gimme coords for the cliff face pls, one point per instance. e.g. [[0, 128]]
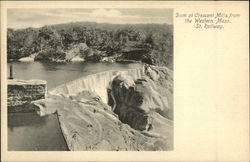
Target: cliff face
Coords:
[[138, 117], [145, 103]]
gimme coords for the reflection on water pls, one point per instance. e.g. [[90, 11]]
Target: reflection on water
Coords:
[[60, 73], [30, 132]]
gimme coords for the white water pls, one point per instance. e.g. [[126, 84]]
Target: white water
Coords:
[[97, 83]]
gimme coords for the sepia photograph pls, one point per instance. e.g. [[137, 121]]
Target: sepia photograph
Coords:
[[90, 79], [137, 81]]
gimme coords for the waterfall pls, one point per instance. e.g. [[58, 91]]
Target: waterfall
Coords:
[[97, 83]]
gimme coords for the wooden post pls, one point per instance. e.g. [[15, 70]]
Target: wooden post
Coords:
[[11, 72]]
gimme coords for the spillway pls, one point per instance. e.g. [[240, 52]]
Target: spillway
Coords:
[[97, 83]]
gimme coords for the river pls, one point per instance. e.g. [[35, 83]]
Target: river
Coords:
[[30, 132], [59, 73]]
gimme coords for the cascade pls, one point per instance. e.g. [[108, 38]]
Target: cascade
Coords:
[[97, 83]]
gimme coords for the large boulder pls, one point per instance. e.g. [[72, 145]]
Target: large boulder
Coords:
[[76, 52], [138, 102]]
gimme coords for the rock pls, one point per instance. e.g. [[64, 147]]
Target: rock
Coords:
[[104, 145], [142, 117], [108, 59], [26, 59], [123, 80], [153, 74], [30, 58], [77, 59], [137, 101], [85, 130], [91, 98], [164, 83], [75, 52]]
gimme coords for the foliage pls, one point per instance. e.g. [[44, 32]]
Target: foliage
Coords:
[[51, 42]]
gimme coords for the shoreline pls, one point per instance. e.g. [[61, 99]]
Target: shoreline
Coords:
[[63, 133]]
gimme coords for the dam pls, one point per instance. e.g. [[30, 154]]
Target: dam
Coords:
[[23, 119], [97, 83]]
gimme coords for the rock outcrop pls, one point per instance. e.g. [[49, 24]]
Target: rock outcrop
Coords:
[[89, 124], [75, 53], [126, 110], [30, 58], [145, 103]]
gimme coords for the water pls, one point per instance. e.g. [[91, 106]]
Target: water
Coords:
[[59, 73], [30, 132], [98, 83]]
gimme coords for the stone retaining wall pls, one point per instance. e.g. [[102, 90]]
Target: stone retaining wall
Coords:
[[21, 92]]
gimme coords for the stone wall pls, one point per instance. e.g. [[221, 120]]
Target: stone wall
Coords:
[[21, 92]]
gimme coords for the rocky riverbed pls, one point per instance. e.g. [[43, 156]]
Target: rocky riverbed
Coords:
[[137, 116]]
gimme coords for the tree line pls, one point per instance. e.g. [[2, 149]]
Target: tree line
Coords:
[[52, 42]]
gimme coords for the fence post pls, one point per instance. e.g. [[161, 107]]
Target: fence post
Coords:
[[11, 72]]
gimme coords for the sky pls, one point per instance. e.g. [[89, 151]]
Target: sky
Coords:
[[22, 18]]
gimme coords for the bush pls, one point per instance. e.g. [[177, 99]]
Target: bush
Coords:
[[51, 55]]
